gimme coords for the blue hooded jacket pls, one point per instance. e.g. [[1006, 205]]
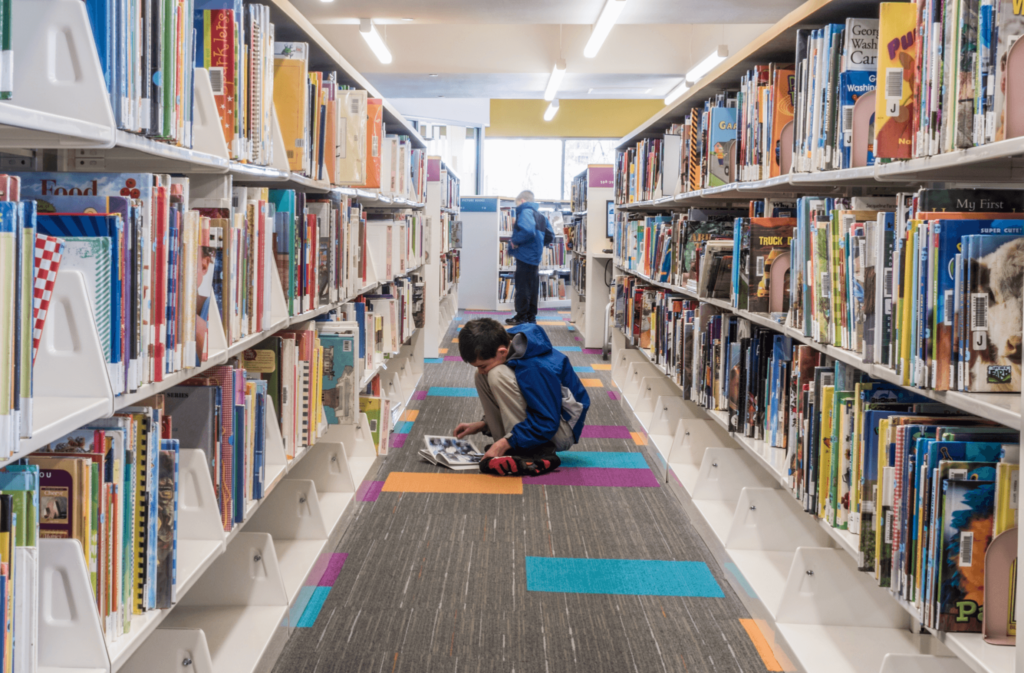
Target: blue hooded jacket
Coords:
[[529, 241], [549, 385]]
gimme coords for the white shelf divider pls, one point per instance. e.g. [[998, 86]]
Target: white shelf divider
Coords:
[[70, 638], [71, 382], [61, 99], [207, 132]]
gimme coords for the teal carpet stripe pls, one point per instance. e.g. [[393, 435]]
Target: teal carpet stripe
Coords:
[[603, 459], [439, 391], [621, 577], [403, 428], [312, 611]]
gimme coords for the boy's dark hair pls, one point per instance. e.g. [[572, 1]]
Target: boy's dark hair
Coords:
[[481, 338]]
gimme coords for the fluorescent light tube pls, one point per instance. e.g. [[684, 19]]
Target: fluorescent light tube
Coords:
[[555, 80], [708, 64], [372, 37], [677, 91], [605, 22], [552, 110]]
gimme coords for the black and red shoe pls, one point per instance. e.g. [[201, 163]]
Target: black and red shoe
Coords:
[[514, 466], [541, 464]]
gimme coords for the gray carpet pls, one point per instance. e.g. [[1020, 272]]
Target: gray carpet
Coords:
[[437, 582]]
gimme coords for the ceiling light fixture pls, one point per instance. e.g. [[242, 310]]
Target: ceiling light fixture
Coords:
[[605, 22], [552, 110], [372, 37], [677, 91], [708, 64], [555, 80]]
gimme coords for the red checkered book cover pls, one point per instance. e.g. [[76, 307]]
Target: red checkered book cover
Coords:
[[47, 262]]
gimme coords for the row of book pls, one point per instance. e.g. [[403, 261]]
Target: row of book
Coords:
[[942, 74], [924, 283], [554, 255], [927, 488], [578, 192], [506, 220], [451, 231], [449, 271], [450, 186], [578, 274], [552, 287], [385, 319], [148, 52]]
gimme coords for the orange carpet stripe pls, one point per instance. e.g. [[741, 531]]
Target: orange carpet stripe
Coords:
[[429, 482], [601, 368], [410, 415], [442, 351], [764, 649], [455, 341], [550, 322], [638, 439], [592, 383]]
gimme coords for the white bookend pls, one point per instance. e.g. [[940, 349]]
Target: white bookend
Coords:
[[26, 609], [207, 131], [652, 390], [275, 461], [295, 521], [277, 143], [278, 304], [61, 98], [391, 386], [69, 625], [767, 528], [200, 533], [71, 382], [327, 466], [724, 473], [621, 360], [172, 651], [632, 385]]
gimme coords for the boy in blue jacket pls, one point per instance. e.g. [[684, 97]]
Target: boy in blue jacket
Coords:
[[534, 403], [528, 236]]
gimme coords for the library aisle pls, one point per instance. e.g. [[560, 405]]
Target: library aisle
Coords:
[[591, 568]]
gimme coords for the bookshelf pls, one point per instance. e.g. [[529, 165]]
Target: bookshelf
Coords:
[[803, 572], [238, 592], [488, 222], [592, 194], [443, 264]]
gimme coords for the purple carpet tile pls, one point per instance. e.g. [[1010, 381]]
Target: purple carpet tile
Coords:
[[420, 395], [334, 565], [596, 476], [369, 491], [606, 432], [398, 441], [488, 312], [592, 351], [452, 358], [578, 339], [612, 395], [313, 578]]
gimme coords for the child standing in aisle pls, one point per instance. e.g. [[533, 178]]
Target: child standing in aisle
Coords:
[[534, 403], [531, 233]]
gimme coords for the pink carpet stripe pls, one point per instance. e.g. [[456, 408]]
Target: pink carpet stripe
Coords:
[[318, 570], [334, 565], [596, 476], [612, 395], [592, 351], [452, 358], [606, 432], [373, 491], [420, 395], [398, 441]]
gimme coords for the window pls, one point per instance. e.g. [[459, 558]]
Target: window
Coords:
[[581, 152], [514, 164], [546, 166], [456, 145]]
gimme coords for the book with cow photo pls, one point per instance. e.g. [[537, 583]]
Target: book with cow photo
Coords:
[[455, 454]]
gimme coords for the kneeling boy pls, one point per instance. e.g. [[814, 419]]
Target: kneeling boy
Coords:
[[534, 404]]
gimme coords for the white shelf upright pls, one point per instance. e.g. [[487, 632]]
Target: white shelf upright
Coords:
[[435, 302], [588, 309]]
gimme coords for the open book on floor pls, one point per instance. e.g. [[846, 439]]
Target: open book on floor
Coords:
[[456, 454]]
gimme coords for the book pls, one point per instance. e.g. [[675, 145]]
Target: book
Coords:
[[455, 454], [895, 107]]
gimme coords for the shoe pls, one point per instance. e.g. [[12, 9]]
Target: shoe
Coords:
[[520, 467], [512, 322]]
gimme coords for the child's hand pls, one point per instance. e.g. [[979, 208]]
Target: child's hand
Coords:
[[499, 448], [464, 429]]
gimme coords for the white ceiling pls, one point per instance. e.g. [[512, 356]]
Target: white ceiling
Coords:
[[504, 49], [548, 11]]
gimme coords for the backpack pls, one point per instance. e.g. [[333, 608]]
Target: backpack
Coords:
[[541, 223]]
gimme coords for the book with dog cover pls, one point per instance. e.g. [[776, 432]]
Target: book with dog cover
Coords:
[[996, 277]]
